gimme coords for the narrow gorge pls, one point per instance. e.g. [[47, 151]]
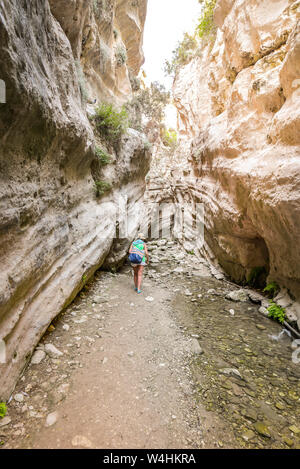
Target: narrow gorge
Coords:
[[76, 157]]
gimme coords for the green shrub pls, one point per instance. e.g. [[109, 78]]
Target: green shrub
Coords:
[[272, 288], [121, 56], [3, 409], [169, 138], [182, 55], [148, 104], [276, 312], [104, 158], [111, 123], [102, 187], [206, 26]]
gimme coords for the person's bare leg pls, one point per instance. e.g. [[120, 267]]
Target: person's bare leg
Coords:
[[135, 274], [140, 276]]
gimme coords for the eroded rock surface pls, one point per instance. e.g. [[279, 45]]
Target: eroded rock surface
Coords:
[[54, 232], [238, 103]]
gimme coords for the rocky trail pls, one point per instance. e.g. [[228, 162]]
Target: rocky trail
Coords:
[[179, 366]]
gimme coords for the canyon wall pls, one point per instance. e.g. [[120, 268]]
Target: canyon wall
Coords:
[[238, 104], [54, 231]]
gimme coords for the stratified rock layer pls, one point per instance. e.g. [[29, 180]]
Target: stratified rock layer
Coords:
[[54, 231], [239, 119]]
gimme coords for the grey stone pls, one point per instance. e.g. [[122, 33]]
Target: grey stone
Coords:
[[38, 357], [19, 397], [52, 351], [196, 347], [238, 295], [5, 421]]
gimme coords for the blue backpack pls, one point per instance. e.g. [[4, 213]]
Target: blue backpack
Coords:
[[135, 258], [137, 255]]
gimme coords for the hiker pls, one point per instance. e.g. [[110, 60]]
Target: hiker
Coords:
[[138, 254]]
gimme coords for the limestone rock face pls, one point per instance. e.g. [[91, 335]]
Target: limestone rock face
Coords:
[[54, 231], [238, 104], [106, 40]]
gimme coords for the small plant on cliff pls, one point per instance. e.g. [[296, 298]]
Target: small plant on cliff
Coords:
[[111, 123], [103, 157], [102, 187], [148, 104], [121, 55], [169, 138], [182, 55], [3, 409], [272, 288], [276, 312], [206, 26]]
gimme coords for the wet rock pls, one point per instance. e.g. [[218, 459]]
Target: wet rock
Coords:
[[250, 414], [262, 429], [288, 441], [38, 357], [294, 429], [231, 372], [248, 435], [260, 326], [52, 351], [237, 295]]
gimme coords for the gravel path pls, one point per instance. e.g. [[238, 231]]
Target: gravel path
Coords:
[[156, 370]]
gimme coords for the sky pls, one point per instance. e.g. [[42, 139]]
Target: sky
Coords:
[[166, 22]]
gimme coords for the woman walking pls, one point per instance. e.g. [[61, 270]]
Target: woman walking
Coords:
[[139, 257]]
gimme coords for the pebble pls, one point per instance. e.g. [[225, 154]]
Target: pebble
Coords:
[[51, 419], [149, 298], [66, 327], [288, 441], [294, 429], [52, 351], [237, 295], [19, 397], [5, 421], [262, 429], [248, 435], [196, 347], [38, 357], [263, 311], [80, 440]]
